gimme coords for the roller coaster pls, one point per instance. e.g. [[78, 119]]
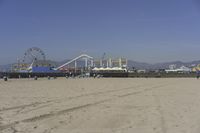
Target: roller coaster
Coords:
[[88, 62]]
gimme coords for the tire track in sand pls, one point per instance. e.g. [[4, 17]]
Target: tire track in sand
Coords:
[[68, 98], [160, 111], [61, 112]]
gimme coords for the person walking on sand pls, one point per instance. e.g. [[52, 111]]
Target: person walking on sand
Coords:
[[198, 74]]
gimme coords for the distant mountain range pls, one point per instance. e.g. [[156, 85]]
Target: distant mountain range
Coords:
[[131, 64], [6, 68], [164, 65]]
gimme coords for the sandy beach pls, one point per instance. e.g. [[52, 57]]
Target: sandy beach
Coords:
[[105, 105]]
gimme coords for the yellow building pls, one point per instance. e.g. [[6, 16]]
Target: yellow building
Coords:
[[197, 68]]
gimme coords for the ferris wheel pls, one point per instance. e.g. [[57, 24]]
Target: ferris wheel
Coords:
[[33, 54]]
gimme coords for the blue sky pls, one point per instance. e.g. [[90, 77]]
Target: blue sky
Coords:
[[142, 30]]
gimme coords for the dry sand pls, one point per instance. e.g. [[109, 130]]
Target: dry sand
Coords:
[[113, 105]]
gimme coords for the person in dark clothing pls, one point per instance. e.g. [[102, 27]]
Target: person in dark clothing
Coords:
[[198, 74]]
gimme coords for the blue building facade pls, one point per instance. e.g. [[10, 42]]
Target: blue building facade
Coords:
[[43, 70]]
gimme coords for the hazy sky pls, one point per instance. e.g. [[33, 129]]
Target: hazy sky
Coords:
[[141, 30]]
